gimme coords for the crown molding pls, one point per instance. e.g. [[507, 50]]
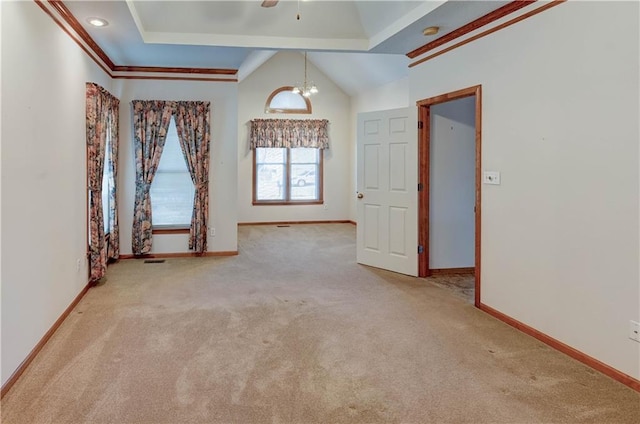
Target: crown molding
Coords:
[[63, 17], [490, 17], [533, 12], [176, 70]]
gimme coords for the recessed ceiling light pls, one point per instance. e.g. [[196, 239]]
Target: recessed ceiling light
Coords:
[[432, 30], [97, 22]]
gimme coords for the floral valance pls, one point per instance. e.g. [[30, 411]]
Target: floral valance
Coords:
[[154, 106], [279, 133]]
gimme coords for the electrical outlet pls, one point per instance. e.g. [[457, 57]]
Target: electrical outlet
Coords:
[[634, 331], [212, 231], [78, 265]]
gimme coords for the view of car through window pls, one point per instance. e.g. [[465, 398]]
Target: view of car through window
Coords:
[[274, 166], [304, 178]]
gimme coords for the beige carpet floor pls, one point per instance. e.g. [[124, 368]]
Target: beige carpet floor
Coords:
[[294, 331]]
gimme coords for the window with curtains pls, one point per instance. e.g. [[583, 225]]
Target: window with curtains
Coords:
[[172, 190], [287, 175], [288, 160], [160, 169], [102, 128]]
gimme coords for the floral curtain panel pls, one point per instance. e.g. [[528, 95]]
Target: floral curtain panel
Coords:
[[101, 112], [192, 123], [312, 133], [151, 120]]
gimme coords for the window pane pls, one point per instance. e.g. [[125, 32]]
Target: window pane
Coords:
[[304, 174], [269, 155], [270, 184], [106, 184], [270, 177], [304, 182], [284, 100], [288, 100], [172, 190], [304, 155]]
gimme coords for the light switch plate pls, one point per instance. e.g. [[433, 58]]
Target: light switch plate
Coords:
[[491, 177]]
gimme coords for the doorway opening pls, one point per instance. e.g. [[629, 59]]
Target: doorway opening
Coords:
[[427, 110]]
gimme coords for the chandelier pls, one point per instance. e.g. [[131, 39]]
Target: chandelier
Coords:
[[306, 88]]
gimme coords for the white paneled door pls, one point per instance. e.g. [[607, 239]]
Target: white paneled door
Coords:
[[387, 190]]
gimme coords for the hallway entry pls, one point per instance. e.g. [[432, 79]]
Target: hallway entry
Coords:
[[449, 152]]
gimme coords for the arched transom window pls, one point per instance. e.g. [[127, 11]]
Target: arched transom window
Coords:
[[283, 100]]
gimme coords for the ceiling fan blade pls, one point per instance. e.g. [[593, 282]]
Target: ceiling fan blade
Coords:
[[269, 3]]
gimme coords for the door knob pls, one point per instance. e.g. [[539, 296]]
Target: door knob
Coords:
[[360, 195]]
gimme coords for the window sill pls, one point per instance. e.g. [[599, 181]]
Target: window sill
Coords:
[[284, 203], [169, 230]]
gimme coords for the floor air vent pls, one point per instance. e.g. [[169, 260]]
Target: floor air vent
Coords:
[[284, 226], [154, 261]]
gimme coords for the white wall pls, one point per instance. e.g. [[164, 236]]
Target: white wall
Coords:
[[2, 379], [223, 169], [43, 176], [286, 68], [560, 121], [452, 158], [393, 95]]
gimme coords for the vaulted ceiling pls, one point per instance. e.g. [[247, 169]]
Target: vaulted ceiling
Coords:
[[356, 43]]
